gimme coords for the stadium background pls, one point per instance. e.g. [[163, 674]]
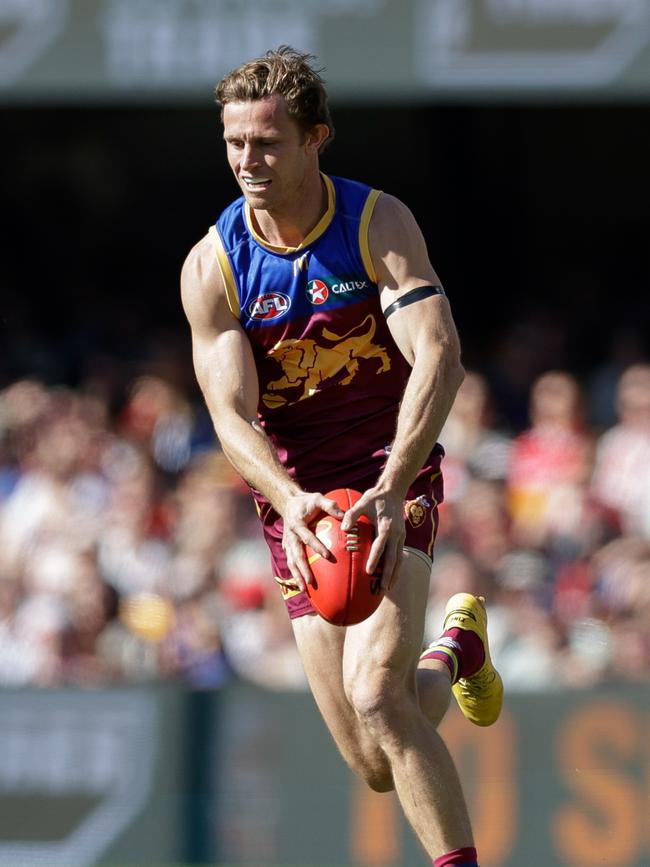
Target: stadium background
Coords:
[[518, 133]]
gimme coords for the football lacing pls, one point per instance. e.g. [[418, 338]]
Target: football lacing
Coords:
[[352, 538]]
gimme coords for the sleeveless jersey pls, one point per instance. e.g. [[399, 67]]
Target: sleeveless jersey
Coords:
[[330, 374]]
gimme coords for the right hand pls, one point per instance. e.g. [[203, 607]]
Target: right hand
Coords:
[[299, 510], [385, 508]]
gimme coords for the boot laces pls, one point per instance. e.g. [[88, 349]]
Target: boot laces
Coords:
[[479, 683]]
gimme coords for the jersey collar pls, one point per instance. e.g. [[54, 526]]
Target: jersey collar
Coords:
[[315, 233]]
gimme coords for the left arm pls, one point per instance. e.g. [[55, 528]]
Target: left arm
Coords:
[[426, 336]]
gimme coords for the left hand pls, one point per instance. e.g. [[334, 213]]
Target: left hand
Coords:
[[297, 512], [386, 511]]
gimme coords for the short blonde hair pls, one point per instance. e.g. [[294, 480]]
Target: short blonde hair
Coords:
[[290, 74]]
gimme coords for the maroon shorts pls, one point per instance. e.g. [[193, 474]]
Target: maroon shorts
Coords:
[[420, 518]]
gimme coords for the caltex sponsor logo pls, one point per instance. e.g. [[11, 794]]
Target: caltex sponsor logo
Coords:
[[272, 305], [348, 286], [317, 291]]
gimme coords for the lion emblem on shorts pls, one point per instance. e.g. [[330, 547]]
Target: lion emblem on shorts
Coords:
[[306, 364], [415, 510]]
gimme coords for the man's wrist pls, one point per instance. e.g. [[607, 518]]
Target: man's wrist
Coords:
[[283, 494], [392, 485]]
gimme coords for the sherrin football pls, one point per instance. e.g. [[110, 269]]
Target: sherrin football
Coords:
[[343, 593]]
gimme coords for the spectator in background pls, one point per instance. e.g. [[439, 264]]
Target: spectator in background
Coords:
[[472, 445], [621, 480], [481, 524], [550, 465], [626, 349], [158, 417], [530, 643], [51, 516], [257, 633], [615, 622], [117, 568], [476, 465]]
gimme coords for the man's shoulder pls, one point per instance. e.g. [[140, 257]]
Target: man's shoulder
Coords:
[[392, 221], [201, 256], [200, 275], [389, 207], [351, 195]]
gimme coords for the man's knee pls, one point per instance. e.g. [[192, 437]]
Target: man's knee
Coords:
[[375, 696]]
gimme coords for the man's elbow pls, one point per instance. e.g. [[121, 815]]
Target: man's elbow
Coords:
[[459, 373], [454, 370]]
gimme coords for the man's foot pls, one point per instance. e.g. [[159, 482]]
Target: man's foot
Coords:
[[480, 696]]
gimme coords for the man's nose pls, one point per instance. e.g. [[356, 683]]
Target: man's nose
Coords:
[[249, 156]]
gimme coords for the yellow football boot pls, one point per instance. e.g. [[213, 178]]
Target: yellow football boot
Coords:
[[480, 697]]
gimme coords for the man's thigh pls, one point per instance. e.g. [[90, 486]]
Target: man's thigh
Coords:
[[391, 639], [337, 660], [321, 647]]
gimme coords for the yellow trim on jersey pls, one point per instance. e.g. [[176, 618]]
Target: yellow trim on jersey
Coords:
[[364, 226], [232, 295], [433, 506], [315, 233], [288, 591]]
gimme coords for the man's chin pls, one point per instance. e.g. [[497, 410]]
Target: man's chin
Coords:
[[257, 198], [257, 201]]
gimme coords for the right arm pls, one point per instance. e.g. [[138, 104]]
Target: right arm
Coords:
[[225, 370]]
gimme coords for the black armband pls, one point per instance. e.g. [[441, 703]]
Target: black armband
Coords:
[[413, 296]]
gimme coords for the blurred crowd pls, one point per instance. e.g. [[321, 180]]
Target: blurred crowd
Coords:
[[130, 550]]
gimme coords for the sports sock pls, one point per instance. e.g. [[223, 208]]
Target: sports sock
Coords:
[[461, 650], [458, 858]]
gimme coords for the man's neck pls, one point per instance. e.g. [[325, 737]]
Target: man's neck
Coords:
[[282, 229]]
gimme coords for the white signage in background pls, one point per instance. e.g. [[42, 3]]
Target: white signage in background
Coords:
[[178, 42], [28, 28], [86, 759], [527, 43], [175, 43]]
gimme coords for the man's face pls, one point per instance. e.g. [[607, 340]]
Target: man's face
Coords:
[[268, 153]]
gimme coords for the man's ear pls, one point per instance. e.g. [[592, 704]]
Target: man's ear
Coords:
[[317, 136]]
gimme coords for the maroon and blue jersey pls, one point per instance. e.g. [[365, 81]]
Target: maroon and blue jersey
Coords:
[[331, 376]]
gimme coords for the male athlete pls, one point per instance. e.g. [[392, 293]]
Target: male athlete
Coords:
[[328, 357]]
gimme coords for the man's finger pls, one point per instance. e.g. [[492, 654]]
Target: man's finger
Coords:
[[331, 507], [376, 552], [352, 516], [311, 539], [301, 569]]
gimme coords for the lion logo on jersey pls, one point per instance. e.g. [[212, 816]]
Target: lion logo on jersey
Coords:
[[307, 364]]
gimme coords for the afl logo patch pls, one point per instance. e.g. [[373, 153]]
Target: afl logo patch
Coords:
[[272, 305], [317, 291]]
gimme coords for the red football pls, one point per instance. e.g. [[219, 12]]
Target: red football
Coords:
[[343, 593]]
